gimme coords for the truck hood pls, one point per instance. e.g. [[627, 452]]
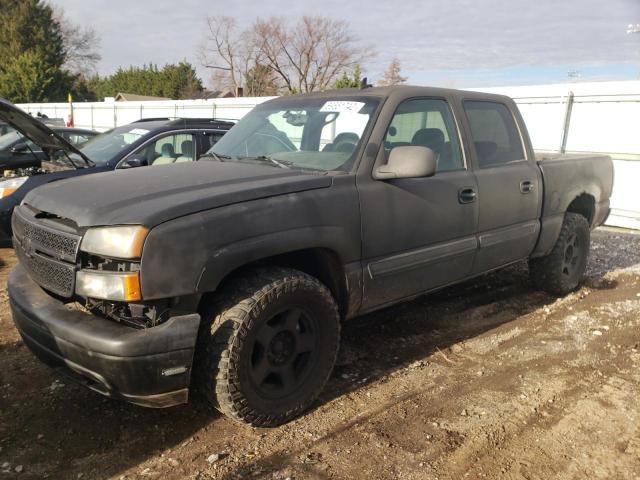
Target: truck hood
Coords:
[[36, 131], [152, 195]]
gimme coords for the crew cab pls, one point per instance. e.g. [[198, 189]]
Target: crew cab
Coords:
[[154, 141], [232, 276]]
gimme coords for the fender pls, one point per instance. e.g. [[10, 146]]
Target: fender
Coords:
[[193, 254]]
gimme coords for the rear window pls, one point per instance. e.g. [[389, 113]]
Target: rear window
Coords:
[[494, 133]]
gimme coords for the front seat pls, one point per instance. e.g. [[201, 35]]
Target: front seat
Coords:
[[187, 152], [167, 155], [344, 142], [434, 139], [429, 137]]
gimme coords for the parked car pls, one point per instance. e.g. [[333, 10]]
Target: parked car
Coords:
[[232, 276], [18, 152], [5, 128], [156, 141]]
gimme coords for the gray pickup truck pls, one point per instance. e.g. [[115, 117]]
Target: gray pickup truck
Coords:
[[232, 276]]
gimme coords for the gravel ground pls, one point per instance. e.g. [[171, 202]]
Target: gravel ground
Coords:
[[488, 379]]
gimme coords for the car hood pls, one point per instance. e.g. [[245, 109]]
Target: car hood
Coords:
[[36, 131], [152, 195]]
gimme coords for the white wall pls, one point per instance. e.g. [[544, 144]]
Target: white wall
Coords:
[[105, 115], [605, 118]]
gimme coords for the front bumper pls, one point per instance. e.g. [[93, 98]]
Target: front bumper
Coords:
[[136, 365]]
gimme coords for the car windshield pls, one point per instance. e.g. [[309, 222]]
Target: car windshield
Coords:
[[306, 133], [8, 139], [106, 146]]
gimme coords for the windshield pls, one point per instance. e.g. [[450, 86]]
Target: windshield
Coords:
[[106, 146], [9, 139], [307, 133]]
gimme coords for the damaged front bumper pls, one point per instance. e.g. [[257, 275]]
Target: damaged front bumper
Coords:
[[149, 367]]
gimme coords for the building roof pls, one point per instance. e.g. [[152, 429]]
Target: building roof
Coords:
[[132, 97]]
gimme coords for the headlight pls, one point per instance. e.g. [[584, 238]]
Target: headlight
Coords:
[[7, 187], [118, 242], [123, 286]]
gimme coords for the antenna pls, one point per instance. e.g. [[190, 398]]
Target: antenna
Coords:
[[364, 84]]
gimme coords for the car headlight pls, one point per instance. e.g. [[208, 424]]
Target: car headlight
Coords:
[[123, 286], [119, 242], [7, 187]]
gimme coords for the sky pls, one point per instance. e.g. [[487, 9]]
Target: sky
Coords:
[[454, 43]]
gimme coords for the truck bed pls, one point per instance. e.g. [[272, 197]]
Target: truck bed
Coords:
[[582, 181]]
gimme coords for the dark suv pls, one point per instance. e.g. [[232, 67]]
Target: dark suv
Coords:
[[157, 141]]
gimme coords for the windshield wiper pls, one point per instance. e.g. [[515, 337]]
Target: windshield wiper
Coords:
[[266, 158], [218, 156]]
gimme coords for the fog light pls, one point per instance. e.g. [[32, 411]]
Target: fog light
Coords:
[[123, 286]]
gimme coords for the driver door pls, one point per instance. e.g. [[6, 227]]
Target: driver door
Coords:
[[419, 233]]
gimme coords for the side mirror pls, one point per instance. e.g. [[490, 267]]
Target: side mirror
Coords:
[[19, 148], [135, 161], [408, 162]]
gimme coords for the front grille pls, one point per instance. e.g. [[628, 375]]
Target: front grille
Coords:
[[49, 255], [57, 277], [58, 244]]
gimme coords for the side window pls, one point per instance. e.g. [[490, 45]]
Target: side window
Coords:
[[176, 148], [77, 139], [494, 133], [210, 139], [429, 123]]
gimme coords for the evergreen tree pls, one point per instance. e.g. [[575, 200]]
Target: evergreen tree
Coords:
[[172, 81], [349, 81], [32, 53]]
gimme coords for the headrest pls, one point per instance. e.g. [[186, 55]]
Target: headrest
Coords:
[[346, 137], [429, 137], [187, 148], [167, 150]]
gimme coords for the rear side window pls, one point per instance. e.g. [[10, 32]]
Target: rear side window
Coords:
[[494, 133]]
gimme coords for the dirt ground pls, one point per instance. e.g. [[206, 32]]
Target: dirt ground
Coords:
[[489, 379]]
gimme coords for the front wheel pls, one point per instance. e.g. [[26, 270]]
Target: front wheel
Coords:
[[268, 346], [560, 272]]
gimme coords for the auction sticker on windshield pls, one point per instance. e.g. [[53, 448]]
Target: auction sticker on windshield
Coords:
[[139, 131], [342, 106]]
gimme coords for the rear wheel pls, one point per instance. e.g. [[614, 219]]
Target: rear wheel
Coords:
[[561, 271], [268, 345]]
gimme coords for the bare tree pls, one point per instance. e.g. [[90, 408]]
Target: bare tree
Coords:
[[81, 44], [307, 56], [229, 52], [392, 76]]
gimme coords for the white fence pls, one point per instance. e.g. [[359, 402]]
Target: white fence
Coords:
[[605, 118]]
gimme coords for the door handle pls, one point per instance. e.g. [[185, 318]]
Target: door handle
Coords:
[[526, 186], [467, 195]]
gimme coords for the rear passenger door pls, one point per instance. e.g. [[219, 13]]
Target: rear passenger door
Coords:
[[509, 186]]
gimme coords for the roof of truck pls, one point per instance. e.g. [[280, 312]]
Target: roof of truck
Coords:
[[400, 90]]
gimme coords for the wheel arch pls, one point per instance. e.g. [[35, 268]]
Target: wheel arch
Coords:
[[323, 263], [585, 205]]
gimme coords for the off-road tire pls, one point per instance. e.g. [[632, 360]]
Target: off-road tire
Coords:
[[555, 273], [229, 338]]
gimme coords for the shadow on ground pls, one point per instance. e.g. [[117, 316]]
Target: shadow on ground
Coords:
[[377, 344]]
